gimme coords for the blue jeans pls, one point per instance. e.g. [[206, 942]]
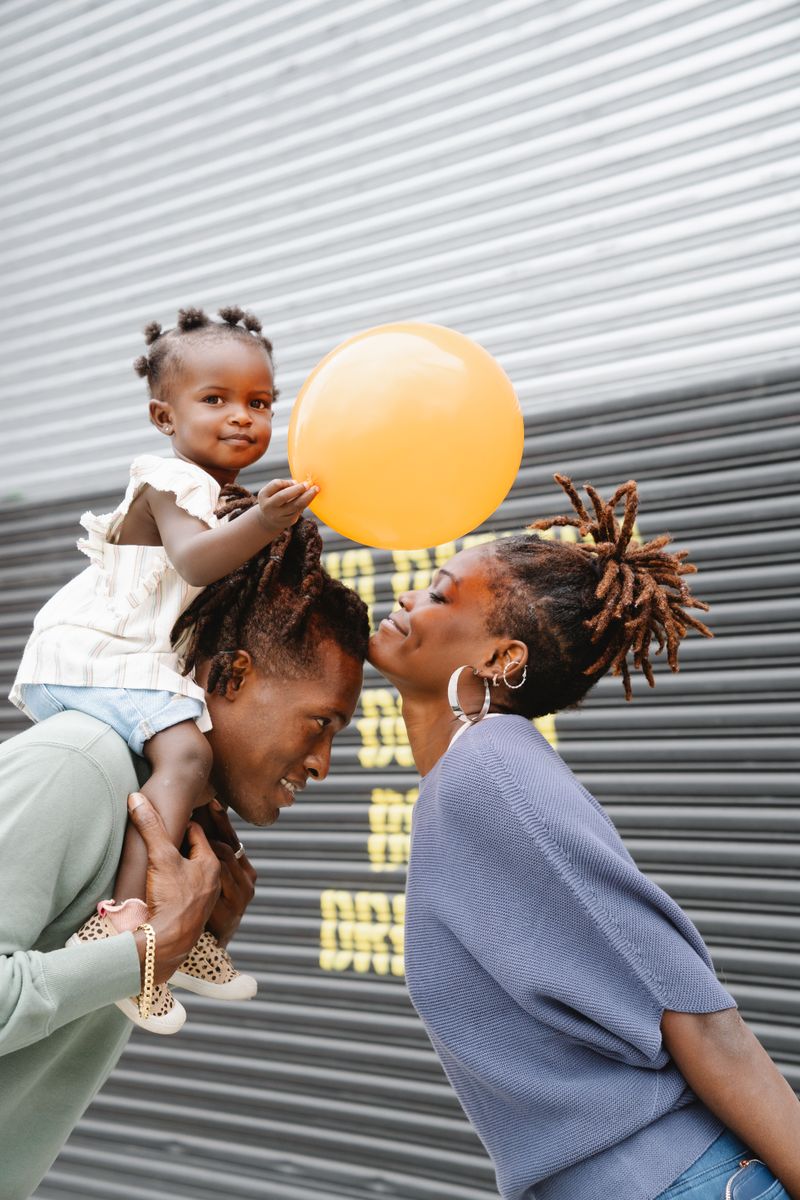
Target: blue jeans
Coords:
[[717, 1175], [136, 714]]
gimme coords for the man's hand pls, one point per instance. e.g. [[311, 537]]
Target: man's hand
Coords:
[[237, 876], [282, 501], [181, 892]]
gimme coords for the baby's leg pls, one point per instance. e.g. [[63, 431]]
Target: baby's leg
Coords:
[[180, 757]]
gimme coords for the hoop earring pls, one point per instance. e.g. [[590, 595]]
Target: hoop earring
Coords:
[[513, 686], [452, 696]]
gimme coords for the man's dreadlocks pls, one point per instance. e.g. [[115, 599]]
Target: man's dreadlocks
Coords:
[[278, 607]]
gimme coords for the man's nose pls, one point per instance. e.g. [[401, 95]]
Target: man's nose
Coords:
[[318, 764]]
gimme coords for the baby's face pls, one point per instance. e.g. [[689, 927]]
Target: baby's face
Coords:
[[220, 405]]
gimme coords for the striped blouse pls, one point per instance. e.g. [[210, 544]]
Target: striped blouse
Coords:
[[110, 626]]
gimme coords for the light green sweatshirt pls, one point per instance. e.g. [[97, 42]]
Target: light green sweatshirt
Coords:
[[63, 789]]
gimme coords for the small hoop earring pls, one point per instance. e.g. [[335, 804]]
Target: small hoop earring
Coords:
[[513, 686], [452, 696]]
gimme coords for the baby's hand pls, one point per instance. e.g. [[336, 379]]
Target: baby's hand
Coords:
[[282, 501]]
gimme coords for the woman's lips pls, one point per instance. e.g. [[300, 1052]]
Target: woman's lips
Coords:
[[391, 624]]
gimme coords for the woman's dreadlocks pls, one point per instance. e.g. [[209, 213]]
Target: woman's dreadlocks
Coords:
[[584, 608], [278, 606]]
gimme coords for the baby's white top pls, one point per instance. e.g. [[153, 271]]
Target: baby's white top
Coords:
[[110, 625]]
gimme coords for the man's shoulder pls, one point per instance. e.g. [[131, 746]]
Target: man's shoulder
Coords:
[[76, 738]]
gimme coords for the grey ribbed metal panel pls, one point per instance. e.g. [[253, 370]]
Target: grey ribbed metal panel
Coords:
[[601, 192], [325, 1086]]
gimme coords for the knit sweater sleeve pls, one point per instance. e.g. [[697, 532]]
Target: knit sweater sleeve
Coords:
[[56, 815], [541, 891]]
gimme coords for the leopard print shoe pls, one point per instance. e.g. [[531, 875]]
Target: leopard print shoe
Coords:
[[209, 971], [167, 1014]]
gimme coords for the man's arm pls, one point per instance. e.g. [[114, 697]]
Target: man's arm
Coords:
[[56, 820], [728, 1069]]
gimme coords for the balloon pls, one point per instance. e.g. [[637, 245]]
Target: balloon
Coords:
[[413, 433]]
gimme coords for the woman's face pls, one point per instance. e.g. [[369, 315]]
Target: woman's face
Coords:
[[442, 627]]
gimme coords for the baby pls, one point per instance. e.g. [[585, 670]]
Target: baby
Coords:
[[102, 644]]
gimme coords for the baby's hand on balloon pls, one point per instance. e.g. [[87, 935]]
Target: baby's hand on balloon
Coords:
[[282, 501]]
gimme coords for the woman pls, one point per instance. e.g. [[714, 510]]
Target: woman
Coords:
[[572, 1003]]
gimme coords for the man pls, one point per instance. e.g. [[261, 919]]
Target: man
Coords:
[[282, 674]]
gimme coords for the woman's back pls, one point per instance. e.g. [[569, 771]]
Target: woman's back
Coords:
[[541, 960]]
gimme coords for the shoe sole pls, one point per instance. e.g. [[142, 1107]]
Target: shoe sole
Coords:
[[243, 988], [170, 1023]]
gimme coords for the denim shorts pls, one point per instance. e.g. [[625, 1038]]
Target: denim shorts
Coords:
[[718, 1175], [135, 713]]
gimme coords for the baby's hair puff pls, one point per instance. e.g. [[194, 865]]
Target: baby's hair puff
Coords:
[[160, 365]]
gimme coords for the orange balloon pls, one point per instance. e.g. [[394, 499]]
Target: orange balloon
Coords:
[[413, 433]]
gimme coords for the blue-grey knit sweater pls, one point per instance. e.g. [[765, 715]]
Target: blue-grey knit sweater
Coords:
[[541, 960]]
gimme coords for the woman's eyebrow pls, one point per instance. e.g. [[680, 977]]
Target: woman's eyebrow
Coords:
[[449, 574]]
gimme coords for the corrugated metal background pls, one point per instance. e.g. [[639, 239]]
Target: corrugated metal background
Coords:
[[325, 1085], [599, 192], [602, 193]]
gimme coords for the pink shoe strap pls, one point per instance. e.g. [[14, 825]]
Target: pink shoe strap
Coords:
[[128, 915]]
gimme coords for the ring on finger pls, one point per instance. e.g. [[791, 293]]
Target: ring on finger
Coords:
[[239, 851]]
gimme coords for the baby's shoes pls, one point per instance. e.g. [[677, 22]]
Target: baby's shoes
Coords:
[[167, 1014], [209, 971]]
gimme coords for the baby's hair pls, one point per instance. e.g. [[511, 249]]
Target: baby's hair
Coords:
[[162, 362], [278, 606], [584, 608]]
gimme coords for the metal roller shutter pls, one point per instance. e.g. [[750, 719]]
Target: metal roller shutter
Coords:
[[325, 1085], [601, 192]]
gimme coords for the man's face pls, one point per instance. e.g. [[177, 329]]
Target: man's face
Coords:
[[273, 734]]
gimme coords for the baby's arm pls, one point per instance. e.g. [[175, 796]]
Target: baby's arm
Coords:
[[201, 555]]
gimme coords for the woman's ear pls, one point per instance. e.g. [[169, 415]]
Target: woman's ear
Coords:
[[241, 666], [509, 657]]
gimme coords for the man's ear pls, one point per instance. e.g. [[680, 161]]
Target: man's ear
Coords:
[[161, 416], [241, 667]]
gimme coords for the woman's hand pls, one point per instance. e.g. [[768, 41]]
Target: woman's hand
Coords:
[[181, 892], [237, 876]]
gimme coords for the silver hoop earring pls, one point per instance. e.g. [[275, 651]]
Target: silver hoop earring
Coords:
[[452, 696], [513, 686]]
